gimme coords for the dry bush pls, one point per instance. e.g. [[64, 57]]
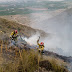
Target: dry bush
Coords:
[[26, 62], [52, 66], [58, 68], [30, 61]]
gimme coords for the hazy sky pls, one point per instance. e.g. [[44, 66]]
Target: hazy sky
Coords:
[[6, 0], [29, 0], [56, 0]]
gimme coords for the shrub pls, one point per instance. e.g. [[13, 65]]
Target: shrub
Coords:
[[27, 62]]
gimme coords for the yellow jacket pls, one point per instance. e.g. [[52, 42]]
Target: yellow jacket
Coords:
[[13, 34], [41, 47]]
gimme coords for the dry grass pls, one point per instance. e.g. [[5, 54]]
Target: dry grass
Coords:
[[27, 62], [57, 60], [55, 64], [1, 59], [30, 61], [6, 27]]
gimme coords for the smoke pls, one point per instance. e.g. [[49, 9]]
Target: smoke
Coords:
[[60, 29], [54, 43], [51, 42], [32, 40], [70, 67]]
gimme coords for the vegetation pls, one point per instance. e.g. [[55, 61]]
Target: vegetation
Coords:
[[23, 60], [6, 27], [29, 61]]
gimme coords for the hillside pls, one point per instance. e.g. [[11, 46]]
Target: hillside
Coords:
[[13, 58], [8, 26], [60, 26]]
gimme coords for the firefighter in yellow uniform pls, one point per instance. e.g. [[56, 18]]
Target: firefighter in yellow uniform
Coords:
[[41, 46], [14, 35]]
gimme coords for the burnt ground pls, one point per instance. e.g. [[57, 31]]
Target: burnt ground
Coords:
[[11, 51], [64, 58]]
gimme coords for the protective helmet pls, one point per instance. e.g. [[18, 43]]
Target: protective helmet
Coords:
[[15, 31], [41, 43]]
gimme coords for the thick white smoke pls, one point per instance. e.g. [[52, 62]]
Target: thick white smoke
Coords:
[[60, 40], [51, 42], [32, 40]]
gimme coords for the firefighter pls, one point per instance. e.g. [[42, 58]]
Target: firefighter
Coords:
[[41, 46], [14, 35]]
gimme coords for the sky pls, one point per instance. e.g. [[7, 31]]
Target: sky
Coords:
[[56, 0], [29, 0], [6, 0]]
